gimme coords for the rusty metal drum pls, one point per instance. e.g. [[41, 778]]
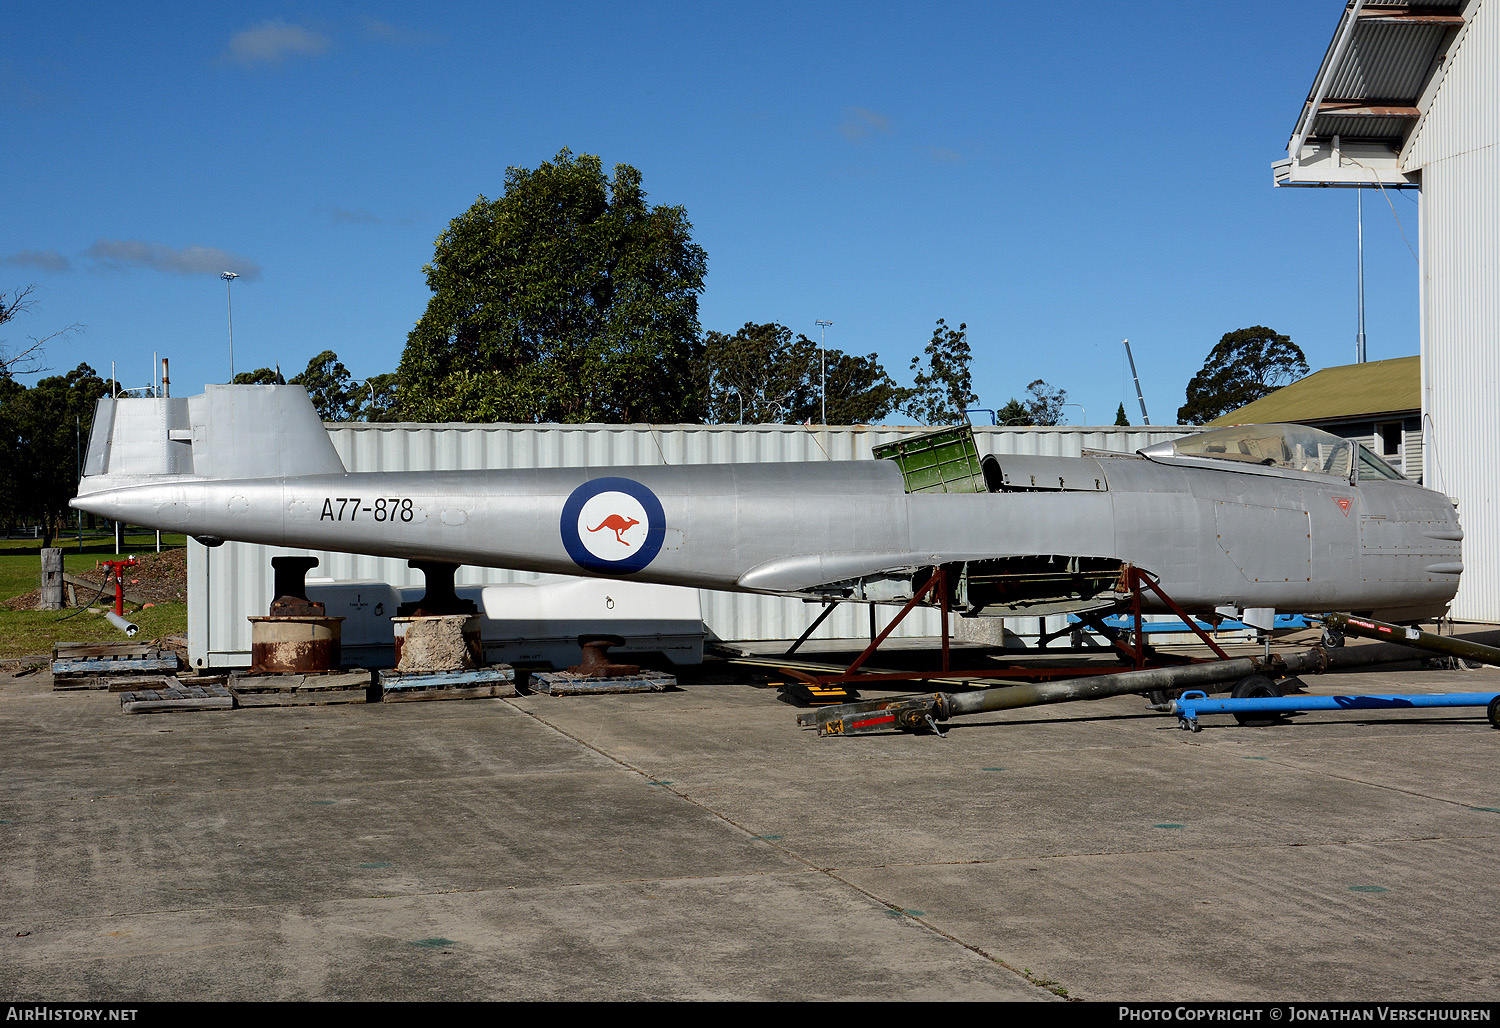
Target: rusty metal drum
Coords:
[[295, 643]]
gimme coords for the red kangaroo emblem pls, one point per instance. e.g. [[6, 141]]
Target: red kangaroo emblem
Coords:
[[616, 524]]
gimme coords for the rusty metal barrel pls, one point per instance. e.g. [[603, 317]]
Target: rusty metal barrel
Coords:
[[302, 643]]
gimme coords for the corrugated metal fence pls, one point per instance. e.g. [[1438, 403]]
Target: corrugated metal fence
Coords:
[[228, 583]]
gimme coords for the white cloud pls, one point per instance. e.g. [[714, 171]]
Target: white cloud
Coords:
[[272, 41], [859, 122], [122, 254], [47, 260], [396, 35], [352, 216]]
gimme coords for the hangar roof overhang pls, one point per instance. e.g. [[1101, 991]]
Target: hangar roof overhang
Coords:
[[1372, 90]]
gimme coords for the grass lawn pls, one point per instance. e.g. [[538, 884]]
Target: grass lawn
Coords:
[[21, 559], [26, 632]]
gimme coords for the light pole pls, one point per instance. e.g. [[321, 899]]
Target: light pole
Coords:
[[229, 277], [823, 363], [1080, 407], [1359, 213]]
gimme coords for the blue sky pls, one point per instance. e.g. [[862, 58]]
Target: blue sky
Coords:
[[1057, 176]]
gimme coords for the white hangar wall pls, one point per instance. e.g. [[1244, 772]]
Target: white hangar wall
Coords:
[[1456, 146], [228, 583]]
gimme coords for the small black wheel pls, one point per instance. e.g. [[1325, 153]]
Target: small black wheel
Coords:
[[1493, 712], [1332, 640], [1256, 687]]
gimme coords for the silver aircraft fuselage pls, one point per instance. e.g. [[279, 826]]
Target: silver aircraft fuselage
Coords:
[[1214, 532]]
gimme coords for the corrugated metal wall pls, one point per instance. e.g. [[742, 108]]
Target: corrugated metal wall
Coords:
[[228, 583], [1457, 148]]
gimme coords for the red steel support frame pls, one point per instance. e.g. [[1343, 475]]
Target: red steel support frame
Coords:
[[1135, 578], [939, 579], [1132, 580]]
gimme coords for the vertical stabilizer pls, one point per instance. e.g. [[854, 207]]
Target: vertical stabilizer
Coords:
[[228, 432], [259, 432]]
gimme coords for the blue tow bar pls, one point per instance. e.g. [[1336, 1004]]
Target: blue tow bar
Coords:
[[1190, 705]]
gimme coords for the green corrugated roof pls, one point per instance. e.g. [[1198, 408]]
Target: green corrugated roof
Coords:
[[1351, 391]]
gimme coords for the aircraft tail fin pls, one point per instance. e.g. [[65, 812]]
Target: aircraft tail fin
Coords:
[[229, 432]]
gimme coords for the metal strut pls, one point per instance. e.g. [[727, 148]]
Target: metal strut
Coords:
[[1135, 578], [828, 609], [1141, 656], [938, 579]]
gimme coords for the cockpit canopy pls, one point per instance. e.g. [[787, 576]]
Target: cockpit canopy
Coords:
[[1292, 447]]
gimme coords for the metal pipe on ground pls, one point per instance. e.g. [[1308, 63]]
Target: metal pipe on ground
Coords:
[[921, 713], [1190, 706], [1464, 647], [128, 627]]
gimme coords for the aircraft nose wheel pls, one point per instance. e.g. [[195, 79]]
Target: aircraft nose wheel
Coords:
[[1493, 712], [1253, 688]]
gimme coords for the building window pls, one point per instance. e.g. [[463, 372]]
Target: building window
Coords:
[[1388, 437]]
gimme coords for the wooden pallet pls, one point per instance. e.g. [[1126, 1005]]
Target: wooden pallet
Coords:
[[88, 665], [176, 697], [142, 683], [64, 650], [71, 683], [477, 683], [560, 683], [299, 690]]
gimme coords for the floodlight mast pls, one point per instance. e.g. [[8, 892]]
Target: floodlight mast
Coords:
[[228, 277], [1359, 340], [823, 362]]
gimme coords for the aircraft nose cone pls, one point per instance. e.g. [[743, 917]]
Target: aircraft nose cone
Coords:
[[142, 505], [94, 503]]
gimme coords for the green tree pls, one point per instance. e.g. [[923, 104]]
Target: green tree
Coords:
[[1015, 414], [376, 398], [569, 298], [752, 376], [762, 374], [260, 376], [1120, 418], [943, 388], [13, 454], [41, 427], [1245, 365], [329, 386], [1045, 403], [859, 389]]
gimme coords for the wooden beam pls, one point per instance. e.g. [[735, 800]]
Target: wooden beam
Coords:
[[1408, 14], [1369, 109]]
